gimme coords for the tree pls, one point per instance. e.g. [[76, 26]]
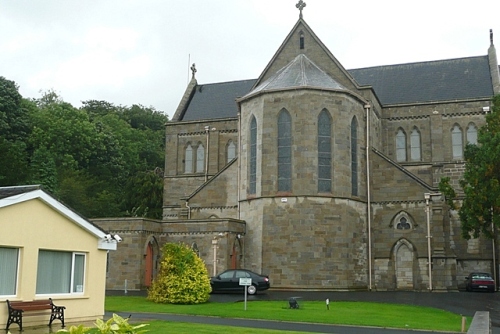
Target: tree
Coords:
[[14, 129], [182, 278], [479, 211]]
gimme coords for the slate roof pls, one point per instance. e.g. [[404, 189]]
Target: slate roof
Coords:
[[216, 100], [442, 80], [300, 72], [432, 81]]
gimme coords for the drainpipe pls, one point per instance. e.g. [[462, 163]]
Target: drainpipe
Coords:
[[494, 251], [214, 243], [239, 163], [207, 129], [368, 194], [427, 197]]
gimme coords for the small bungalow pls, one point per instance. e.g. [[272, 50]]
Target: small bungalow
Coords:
[[48, 251]]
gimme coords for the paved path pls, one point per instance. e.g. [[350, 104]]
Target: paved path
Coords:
[[464, 303]]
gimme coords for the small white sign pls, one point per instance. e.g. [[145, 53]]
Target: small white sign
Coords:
[[245, 281]]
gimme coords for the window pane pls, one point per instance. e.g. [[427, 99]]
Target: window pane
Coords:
[[188, 160], [284, 151], [324, 152], [200, 159], [354, 157], [231, 151], [456, 140], [415, 145], [54, 272], [78, 271], [8, 271], [400, 146], [472, 134], [253, 157]]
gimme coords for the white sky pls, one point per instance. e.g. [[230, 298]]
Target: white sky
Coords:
[[139, 51]]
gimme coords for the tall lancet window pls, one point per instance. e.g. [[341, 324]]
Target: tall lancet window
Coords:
[[284, 151], [231, 151], [415, 150], [400, 146], [472, 134], [324, 152], [200, 158], [301, 40], [354, 157], [252, 159], [188, 159], [456, 142]]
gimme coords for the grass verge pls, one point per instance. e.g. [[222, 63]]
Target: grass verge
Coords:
[[345, 313]]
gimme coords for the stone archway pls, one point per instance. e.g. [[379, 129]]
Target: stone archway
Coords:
[[150, 260], [404, 260]]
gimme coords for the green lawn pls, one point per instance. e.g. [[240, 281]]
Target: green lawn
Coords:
[[347, 313]]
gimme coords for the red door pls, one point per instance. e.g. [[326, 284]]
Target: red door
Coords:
[[148, 274]]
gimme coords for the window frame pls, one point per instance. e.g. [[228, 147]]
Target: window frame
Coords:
[[400, 145], [72, 288], [325, 157], [354, 157], [284, 145], [415, 145], [457, 143], [16, 272]]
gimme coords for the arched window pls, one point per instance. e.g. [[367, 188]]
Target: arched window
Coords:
[[400, 146], [188, 159], [354, 157], [402, 221], [252, 161], [231, 151], [324, 152], [200, 158], [472, 134], [284, 151], [456, 142], [415, 151]]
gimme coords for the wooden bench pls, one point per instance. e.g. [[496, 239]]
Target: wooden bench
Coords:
[[36, 307]]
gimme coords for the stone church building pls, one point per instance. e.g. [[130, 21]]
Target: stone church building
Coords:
[[319, 176]]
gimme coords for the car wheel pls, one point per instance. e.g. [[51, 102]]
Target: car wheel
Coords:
[[251, 289]]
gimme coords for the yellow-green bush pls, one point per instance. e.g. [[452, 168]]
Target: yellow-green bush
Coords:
[[182, 278]]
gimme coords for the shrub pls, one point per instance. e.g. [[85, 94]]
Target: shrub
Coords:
[[182, 278], [115, 325]]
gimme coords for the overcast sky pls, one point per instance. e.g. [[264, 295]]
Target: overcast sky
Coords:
[[139, 51]]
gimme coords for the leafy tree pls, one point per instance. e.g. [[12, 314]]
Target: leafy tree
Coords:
[[145, 194], [479, 211], [182, 278], [14, 129]]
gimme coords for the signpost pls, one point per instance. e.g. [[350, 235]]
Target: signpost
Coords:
[[245, 282]]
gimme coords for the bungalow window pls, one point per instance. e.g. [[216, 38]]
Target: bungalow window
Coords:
[[60, 272], [9, 260]]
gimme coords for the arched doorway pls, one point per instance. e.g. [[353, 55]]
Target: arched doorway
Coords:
[[404, 260], [236, 253], [150, 261]]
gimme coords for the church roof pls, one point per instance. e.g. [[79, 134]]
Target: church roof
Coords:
[[216, 100], [432, 81], [300, 72]]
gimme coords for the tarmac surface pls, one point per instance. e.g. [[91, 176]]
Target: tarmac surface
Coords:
[[464, 303]]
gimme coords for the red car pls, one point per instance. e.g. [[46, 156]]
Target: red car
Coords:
[[480, 281]]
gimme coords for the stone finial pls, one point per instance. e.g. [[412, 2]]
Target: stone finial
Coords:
[[193, 69], [300, 5], [491, 36]]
